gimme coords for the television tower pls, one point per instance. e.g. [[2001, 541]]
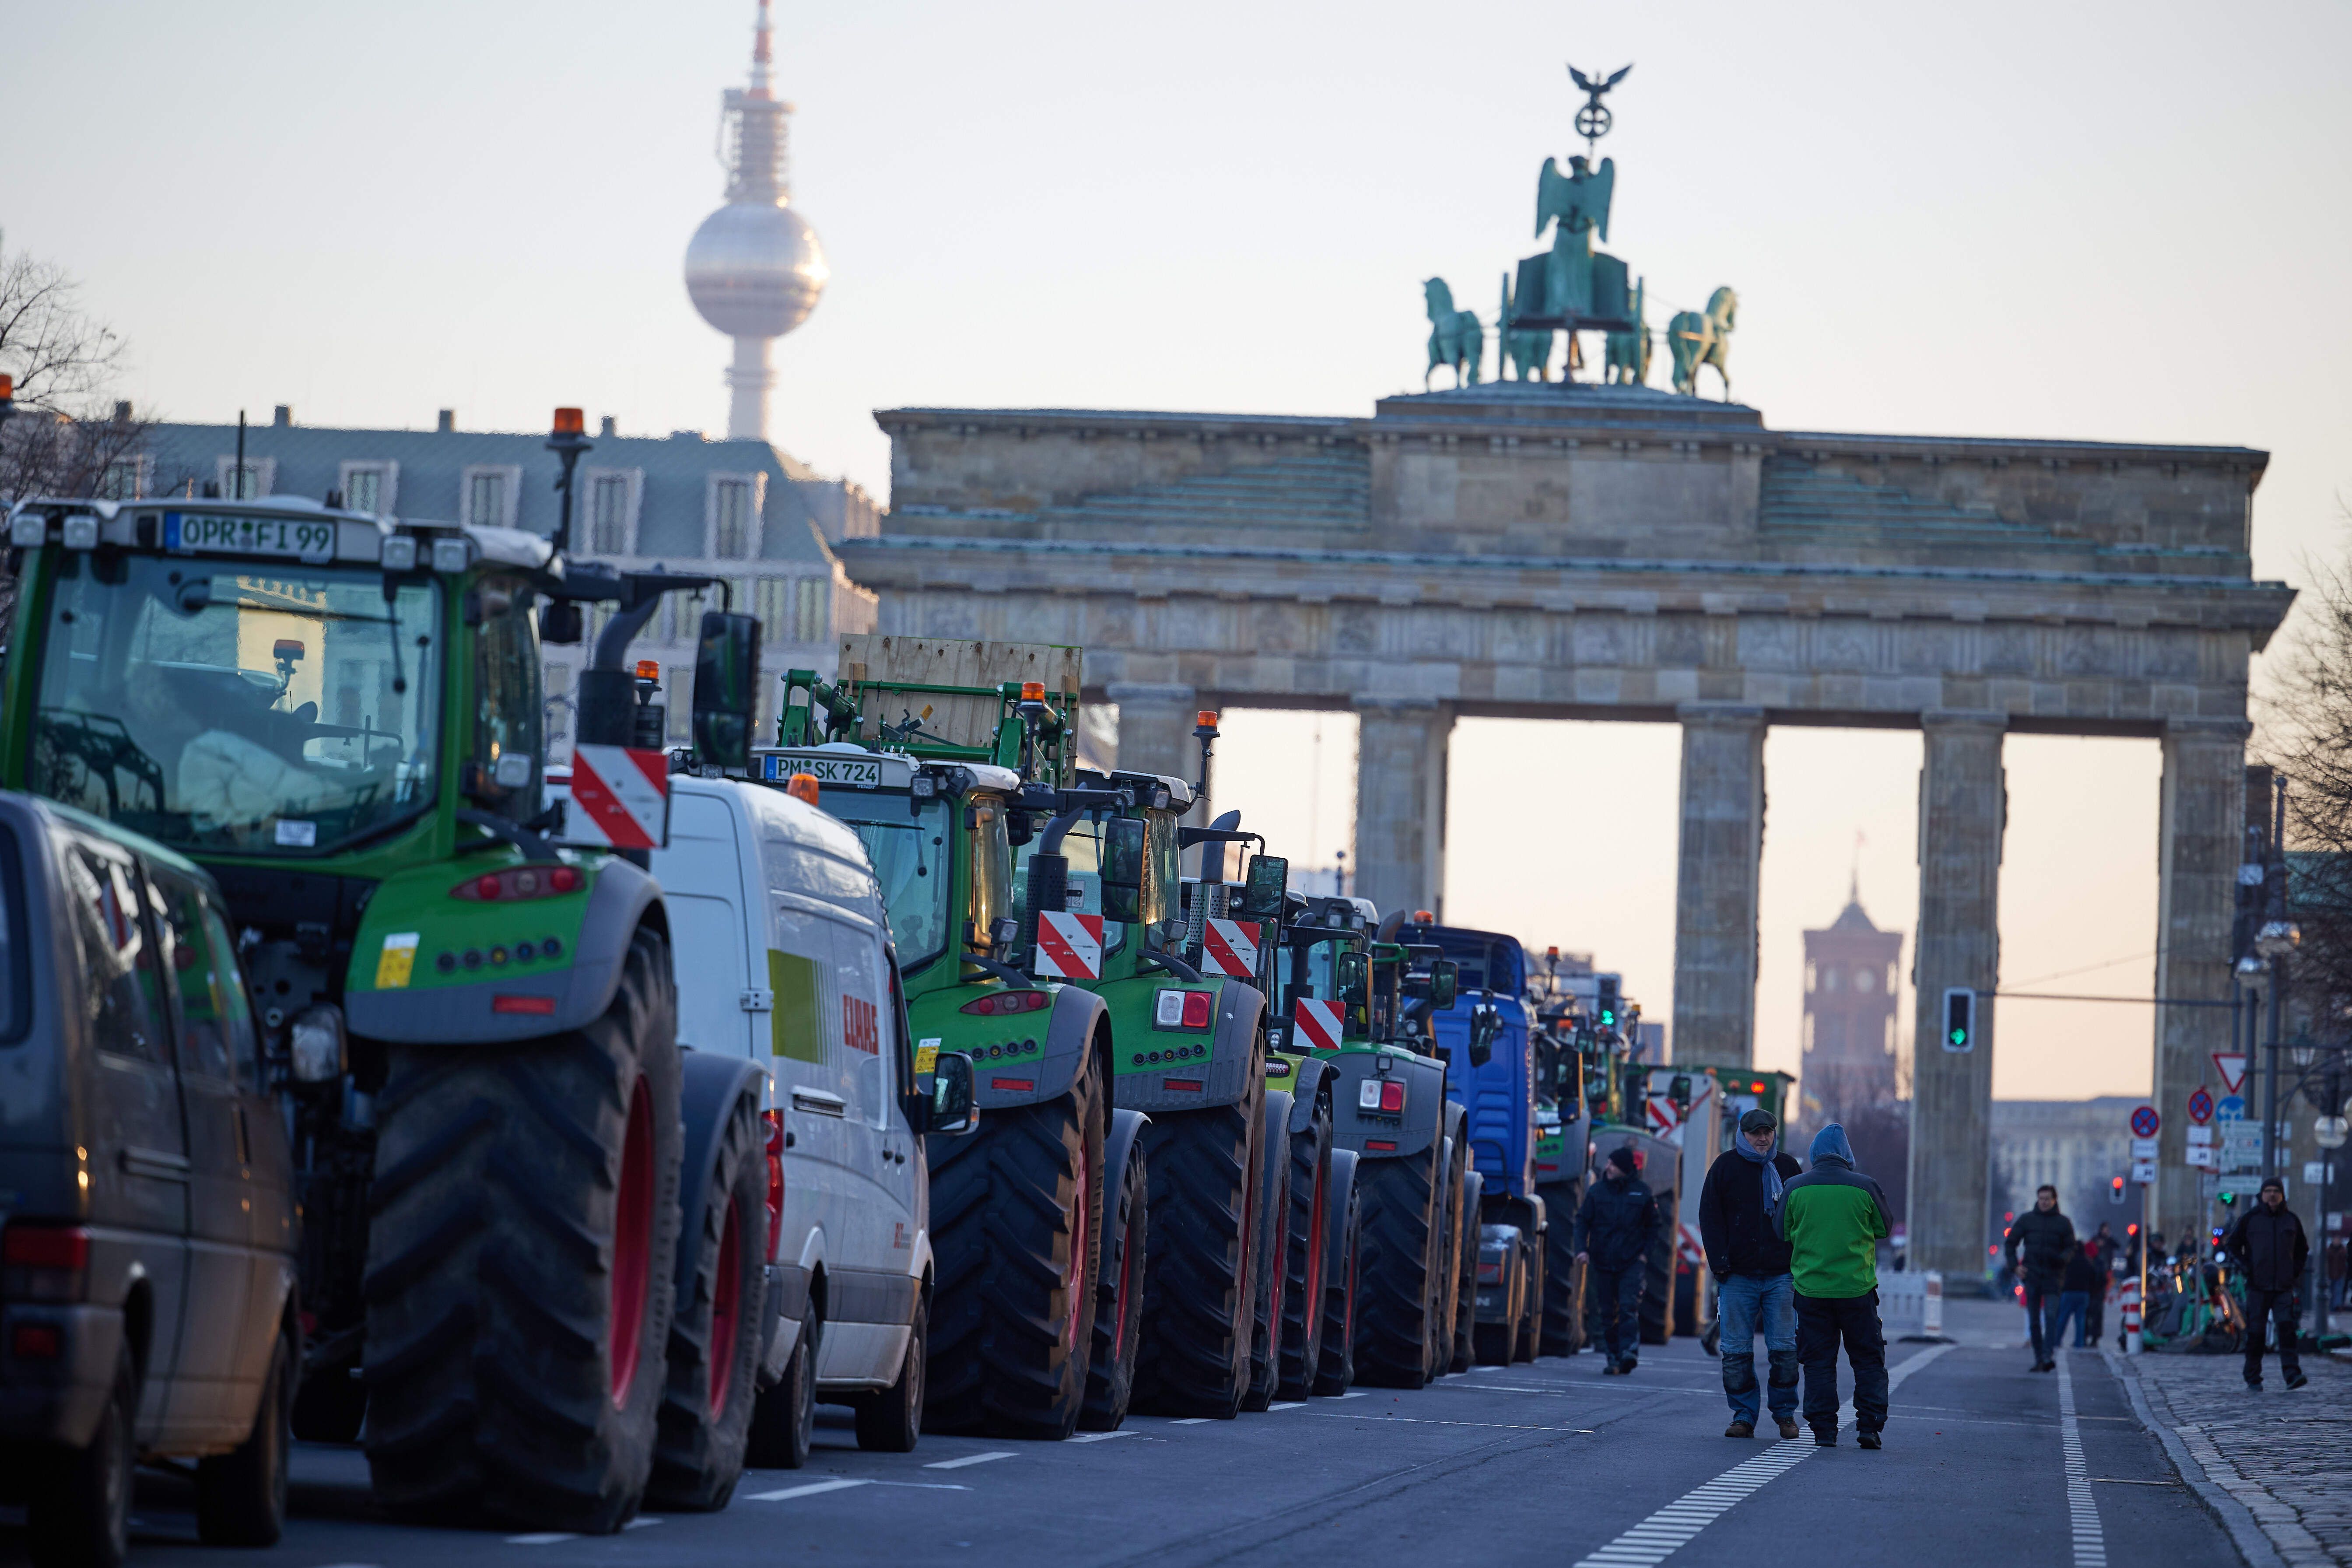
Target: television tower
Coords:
[[755, 269]]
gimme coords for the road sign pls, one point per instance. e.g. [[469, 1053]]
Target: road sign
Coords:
[[2316, 1173], [2231, 1109], [2198, 1135], [2143, 1149], [2143, 1172], [2245, 1186], [2242, 1145], [2201, 1105], [2204, 1157], [2145, 1121], [1069, 946], [2329, 1131], [2231, 1065]]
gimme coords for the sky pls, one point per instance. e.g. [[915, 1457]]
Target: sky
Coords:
[[2101, 221]]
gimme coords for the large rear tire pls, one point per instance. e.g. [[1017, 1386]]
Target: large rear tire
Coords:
[[520, 1266], [1401, 1288], [1465, 1267], [1118, 1298], [1303, 1307], [1336, 1368], [714, 1337], [1272, 1265], [1563, 1297], [1016, 1218], [1658, 1278], [1531, 1309], [1200, 1287]]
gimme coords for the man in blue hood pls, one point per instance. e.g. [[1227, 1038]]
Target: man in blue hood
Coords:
[[1833, 1218]]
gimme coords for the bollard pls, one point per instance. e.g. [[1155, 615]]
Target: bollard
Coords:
[[1933, 1309], [2131, 1314]]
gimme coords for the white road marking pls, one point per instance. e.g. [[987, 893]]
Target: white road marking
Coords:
[[2090, 1541], [349, 1566], [1288, 1405], [811, 1490], [1191, 1421], [644, 1520], [1355, 1394], [545, 1538], [1433, 1421], [926, 1485], [1096, 1437], [1672, 1527], [958, 1464]]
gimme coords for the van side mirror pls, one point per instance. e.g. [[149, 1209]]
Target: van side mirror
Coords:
[[726, 688], [955, 1106], [1445, 984], [1264, 885], [1122, 869]]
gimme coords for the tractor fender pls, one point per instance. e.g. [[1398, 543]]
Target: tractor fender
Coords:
[[710, 1088], [1422, 1123], [1076, 1018], [1126, 1127], [1306, 1082], [623, 899], [1225, 1078]]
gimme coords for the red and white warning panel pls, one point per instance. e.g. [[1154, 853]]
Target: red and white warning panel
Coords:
[[1318, 1024], [1230, 948], [620, 799], [1069, 946]]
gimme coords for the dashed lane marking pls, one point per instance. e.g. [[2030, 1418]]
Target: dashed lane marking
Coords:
[[809, 1488], [1191, 1421], [960, 1462], [1096, 1437], [1357, 1394], [1433, 1421], [1288, 1405], [928, 1486], [1672, 1527], [644, 1521], [544, 1538], [2090, 1541], [1563, 1390]]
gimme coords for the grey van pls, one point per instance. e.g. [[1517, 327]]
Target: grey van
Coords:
[[147, 1217]]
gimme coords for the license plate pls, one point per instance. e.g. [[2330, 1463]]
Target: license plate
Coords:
[[843, 772], [204, 533]]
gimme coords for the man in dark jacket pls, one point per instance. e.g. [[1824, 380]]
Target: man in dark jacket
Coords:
[[1833, 1217], [2047, 1239], [1750, 1265], [2271, 1249], [1613, 1229]]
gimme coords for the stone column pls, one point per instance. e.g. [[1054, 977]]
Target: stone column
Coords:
[[1400, 804], [1720, 850], [2199, 845], [1155, 730], [1963, 808]]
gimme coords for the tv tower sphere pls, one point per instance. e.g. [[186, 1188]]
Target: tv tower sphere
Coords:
[[755, 269]]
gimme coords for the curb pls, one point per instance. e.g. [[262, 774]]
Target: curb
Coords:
[[2254, 1538]]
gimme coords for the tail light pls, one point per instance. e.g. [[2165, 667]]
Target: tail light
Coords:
[[1183, 1010], [1385, 1095], [523, 882], [775, 1120], [44, 1262], [1490, 1274], [1001, 1002]]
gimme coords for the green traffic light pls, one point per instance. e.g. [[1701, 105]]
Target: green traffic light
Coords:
[[1959, 1037], [2229, 1200]]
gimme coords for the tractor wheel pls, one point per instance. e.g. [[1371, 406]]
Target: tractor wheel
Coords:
[[1302, 1299], [1200, 1285], [1563, 1296], [1335, 1368], [1402, 1286], [1658, 1278], [521, 1263], [1465, 1269], [714, 1336], [1271, 1266], [1531, 1303], [1118, 1298], [1016, 1217]]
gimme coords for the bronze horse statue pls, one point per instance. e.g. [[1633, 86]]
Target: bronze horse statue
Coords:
[[1455, 338], [1698, 340], [1629, 353]]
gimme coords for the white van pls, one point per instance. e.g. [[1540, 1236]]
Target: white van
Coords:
[[782, 953]]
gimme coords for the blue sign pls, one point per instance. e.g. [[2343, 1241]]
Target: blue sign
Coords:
[[2231, 1109], [2145, 1121]]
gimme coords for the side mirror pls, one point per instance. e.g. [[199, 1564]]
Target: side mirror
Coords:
[[1122, 869], [1485, 1024], [1263, 886], [955, 1106], [1354, 977], [560, 623], [1445, 984], [726, 688]]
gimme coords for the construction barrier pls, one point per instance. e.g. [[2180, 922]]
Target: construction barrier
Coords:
[[2128, 1297], [1911, 1305]]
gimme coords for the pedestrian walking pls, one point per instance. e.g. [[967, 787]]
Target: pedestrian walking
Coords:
[[1833, 1218], [1749, 1260], [2046, 1239], [2270, 1249], [1614, 1227], [2103, 1250], [2080, 1285]]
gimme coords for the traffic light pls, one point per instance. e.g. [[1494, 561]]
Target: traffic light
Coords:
[[1959, 1018], [1606, 1002], [2229, 1200], [2115, 1190], [2131, 1229]]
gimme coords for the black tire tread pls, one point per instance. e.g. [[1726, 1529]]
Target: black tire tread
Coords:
[[697, 1457], [1401, 1230], [1302, 1318], [1110, 1366], [1197, 1296]]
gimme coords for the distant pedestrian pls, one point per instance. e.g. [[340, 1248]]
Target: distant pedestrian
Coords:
[[2269, 1245], [2336, 1273], [1749, 1260], [1833, 1217], [1614, 1227], [2079, 1285], [2046, 1237], [2103, 1259]]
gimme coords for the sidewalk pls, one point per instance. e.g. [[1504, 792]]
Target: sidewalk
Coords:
[[2286, 1457]]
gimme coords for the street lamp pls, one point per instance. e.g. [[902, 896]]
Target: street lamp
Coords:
[[2303, 1053], [2253, 974], [2278, 938]]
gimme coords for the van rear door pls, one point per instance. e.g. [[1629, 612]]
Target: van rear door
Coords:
[[701, 876]]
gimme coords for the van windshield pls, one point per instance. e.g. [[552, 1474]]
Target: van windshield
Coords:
[[250, 708], [911, 861]]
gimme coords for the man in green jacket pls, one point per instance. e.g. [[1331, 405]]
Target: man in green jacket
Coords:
[[1833, 1217]]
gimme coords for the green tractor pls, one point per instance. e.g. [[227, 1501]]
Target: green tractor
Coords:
[[981, 747], [470, 1014], [1359, 1003]]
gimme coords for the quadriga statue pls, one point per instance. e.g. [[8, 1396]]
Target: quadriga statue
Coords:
[[1696, 340], [1455, 338]]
